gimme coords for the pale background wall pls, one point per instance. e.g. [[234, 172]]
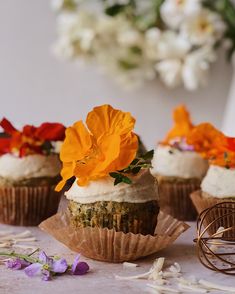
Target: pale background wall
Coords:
[[35, 86]]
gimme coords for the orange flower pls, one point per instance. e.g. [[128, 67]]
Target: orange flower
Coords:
[[225, 155], [207, 140], [182, 126], [106, 145]]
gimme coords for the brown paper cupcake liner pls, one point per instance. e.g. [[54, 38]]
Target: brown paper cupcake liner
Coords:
[[27, 206], [220, 215], [109, 245], [175, 198]]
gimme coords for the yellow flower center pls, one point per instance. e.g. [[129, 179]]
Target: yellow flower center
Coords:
[[205, 26], [46, 267], [180, 2]]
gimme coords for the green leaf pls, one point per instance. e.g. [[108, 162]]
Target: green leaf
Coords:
[[148, 155], [47, 147], [117, 181], [127, 65], [135, 170], [135, 161], [136, 50], [115, 9], [114, 175], [126, 180]]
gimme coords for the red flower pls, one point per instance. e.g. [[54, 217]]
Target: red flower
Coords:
[[31, 139]]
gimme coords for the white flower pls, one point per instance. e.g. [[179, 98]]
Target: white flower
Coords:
[[196, 67], [152, 37], [172, 45], [173, 12], [129, 38], [170, 72], [64, 49], [76, 33], [205, 28]]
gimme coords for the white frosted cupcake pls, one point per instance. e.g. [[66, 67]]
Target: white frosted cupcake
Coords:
[[178, 168], [29, 170], [127, 208], [218, 186], [114, 188]]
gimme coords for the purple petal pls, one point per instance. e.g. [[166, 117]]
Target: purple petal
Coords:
[[13, 263], [46, 275], [16, 263], [59, 266], [75, 263], [81, 268], [42, 257], [32, 269], [45, 259]]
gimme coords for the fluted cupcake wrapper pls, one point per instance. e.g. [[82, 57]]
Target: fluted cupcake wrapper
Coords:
[[175, 198], [109, 245], [27, 206], [219, 214]]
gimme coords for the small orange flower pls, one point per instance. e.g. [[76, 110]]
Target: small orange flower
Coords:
[[106, 145], [182, 126], [207, 140]]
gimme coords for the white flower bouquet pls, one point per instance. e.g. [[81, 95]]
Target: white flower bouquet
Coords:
[[136, 40]]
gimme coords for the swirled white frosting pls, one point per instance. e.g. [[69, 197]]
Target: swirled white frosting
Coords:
[[219, 182], [142, 189], [27, 167], [169, 161]]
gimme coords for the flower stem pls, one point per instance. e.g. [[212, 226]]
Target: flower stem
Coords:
[[21, 256]]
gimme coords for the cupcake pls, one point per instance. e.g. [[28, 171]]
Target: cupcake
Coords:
[[178, 168], [219, 183], [29, 170], [113, 188]]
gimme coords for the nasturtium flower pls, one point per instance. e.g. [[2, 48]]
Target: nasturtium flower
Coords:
[[213, 145], [106, 144], [182, 125], [207, 140], [31, 139]]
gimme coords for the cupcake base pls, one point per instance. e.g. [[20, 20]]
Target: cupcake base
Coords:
[[109, 245], [175, 199], [27, 206], [126, 217], [223, 215]]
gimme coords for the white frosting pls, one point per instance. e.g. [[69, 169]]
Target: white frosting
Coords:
[[27, 167], [56, 146], [169, 161], [142, 189], [219, 182]]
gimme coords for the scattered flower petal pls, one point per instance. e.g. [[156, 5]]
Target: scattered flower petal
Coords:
[[79, 267], [33, 269]]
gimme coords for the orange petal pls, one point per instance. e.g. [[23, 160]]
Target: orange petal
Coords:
[[128, 150], [96, 166], [107, 120], [182, 124], [66, 174], [206, 140], [77, 143], [60, 186]]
